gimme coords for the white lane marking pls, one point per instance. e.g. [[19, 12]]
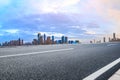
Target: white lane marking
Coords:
[[32, 53], [96, 74], [111, 44]]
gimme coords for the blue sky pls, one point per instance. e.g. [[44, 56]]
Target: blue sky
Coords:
[[78, 19]]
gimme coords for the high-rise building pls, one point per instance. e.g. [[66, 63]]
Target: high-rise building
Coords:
[[44, 39], [41, 39], [104, 40], [109, 39], [114, 36], [52, 39], [77, 41], [22, 42], [91, 41], [63, 39], [19, 42], [66, 40], [34, 42], [48, 41], [39, 35]]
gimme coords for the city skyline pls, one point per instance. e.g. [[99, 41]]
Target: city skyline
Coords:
[[77, 19], [40, 40]]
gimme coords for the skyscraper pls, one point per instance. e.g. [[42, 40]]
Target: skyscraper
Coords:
[[41, 39], [52, 39], [44, 41], [66, 40], [34, 42], [109, 39], [39, 34], [114, 37], [104, 39], [48, 41], [19, 41], [63, 39]]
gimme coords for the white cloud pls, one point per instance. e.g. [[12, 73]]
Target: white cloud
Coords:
[[4, 3], [50, 6], [109, 10], [76, 27], [12, 31], [90, 32], [1, 34], [52, 28]]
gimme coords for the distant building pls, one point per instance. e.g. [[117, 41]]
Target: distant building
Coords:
[[41, 39], [44, 39], [63, 39], [77, 41], [104, 39], [18, 42], [35, 42], [53, 39], [39, 35], [91, 41], [114, 36], [109, 39], [48, 41], [66, 40], [70, 41]]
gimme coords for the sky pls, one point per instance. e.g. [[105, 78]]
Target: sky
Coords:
[[78, 19]]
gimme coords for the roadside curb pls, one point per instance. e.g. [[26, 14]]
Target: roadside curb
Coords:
[[115, 76]]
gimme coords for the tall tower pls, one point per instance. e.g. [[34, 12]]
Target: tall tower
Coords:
[[48, 41], [44, 41], [39, 35], [41, 39], [19, 42], [104, 40], [66, 39], [109, 39], [63, 39], [52, 39], [114, 37]]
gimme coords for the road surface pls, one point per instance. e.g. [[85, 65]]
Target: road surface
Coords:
[[55, 62]]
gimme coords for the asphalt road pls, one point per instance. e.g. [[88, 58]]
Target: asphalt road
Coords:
[[55, 62]]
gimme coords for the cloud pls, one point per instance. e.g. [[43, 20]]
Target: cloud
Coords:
[[11, 31], [4, 3], [51, 24], [75, 18], [109, 10], [90, 32], [1, 34], [48, 6]]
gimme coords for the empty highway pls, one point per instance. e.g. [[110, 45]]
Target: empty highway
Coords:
[[56, 62]]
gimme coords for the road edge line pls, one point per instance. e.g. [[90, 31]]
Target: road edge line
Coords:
[[99, 72]]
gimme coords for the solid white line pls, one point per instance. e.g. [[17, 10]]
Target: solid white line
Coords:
[[96, 74], [111, 44], [25, 54]]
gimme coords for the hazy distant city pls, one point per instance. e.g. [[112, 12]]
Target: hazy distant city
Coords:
[[49, 40], [41, 40]]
